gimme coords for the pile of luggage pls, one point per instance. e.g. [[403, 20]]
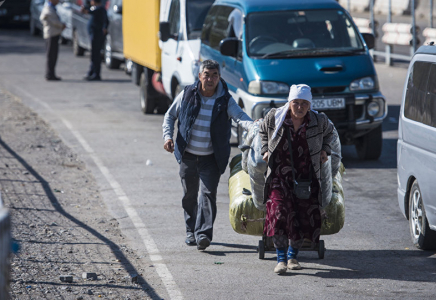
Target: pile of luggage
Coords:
[[246, 183]]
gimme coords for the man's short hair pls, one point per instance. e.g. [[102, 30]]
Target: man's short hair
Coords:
[[210, 64]]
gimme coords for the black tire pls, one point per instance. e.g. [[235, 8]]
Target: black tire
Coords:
[[369, 146], [422, 236], [261, 249], [33, 29], [109, 60], [137, 71], [148, 103], [77, 50], [321, 249]]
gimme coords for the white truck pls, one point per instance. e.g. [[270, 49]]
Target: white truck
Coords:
[[162, 39]]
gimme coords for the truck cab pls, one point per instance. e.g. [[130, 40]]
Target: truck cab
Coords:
[[165, 52], [266, 46]]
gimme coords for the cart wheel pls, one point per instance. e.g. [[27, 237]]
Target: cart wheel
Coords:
[[261, 249], [321, 249]]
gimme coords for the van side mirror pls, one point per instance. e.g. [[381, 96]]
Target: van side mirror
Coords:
[[230, 47], [164, 30], [118, 9], [369, 40]]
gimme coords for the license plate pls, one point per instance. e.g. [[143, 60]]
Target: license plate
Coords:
[[328, 103]]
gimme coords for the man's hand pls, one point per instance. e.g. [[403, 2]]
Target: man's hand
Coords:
[[169, 146], [323, 156], [64, 26], [265, 157], [83, 10]]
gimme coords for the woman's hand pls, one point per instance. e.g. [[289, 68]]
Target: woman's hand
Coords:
[[323, 156], [265, 157]]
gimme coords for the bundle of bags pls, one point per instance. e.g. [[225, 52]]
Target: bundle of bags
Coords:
[[247, 180]]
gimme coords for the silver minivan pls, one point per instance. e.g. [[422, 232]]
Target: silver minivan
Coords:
[[416, 149]]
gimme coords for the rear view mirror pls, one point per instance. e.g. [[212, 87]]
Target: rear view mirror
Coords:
[[164, 30], [369, 40], [230, 47]]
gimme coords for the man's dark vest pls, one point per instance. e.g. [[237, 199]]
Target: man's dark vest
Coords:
[[220, 125]]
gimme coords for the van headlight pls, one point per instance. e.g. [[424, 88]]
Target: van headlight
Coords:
[[365, 83], [268, 88], [373, 108]]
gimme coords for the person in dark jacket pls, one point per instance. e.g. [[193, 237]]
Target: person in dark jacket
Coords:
[[204, 111], [97, 29]]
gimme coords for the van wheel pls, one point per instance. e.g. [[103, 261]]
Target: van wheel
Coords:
[[110, 61], [369, 146], [147, 102], [77, 50], [137, 70], [422, 236]]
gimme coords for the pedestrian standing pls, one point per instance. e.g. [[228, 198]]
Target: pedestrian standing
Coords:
[[97, 30], [204, 111], [295, 142], [53, 27]]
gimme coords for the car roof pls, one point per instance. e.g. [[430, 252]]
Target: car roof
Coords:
[[426, 50], [249, 6]]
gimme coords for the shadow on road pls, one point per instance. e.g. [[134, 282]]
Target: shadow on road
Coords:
[[116, 250]]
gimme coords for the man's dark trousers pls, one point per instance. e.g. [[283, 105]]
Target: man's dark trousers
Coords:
[[202, 172], [97, 42], [52, 50]]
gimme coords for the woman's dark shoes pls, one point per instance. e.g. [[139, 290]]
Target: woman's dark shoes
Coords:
[[203, 243], [190, 239], [92, 78], [54, 78]]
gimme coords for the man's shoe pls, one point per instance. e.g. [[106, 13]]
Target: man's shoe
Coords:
[[280, 268], [190, 240], [293, 264], [92, 78], [203, 243], [54, 78]]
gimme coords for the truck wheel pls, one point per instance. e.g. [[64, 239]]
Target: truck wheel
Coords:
[[110, 61], [147, 102], [369, 146], [422, 236], [77, 50], [137, 70]]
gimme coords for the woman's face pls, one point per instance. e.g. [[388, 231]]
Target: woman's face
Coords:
[[299, 108]]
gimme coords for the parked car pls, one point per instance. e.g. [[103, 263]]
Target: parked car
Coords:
[[113, 54], [266, 46], [64, 12], [64, 9], [35, 24], [416, 148], [81, 39], [14, 10]]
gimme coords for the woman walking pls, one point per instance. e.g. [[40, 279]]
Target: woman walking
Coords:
[[295, 142]]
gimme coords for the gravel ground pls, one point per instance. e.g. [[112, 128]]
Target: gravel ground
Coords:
[[59, 219]]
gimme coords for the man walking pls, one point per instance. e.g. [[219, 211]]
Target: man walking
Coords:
[[204, 111], [52, 27], [97, 29]]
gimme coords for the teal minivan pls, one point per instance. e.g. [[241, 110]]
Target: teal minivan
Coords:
[[264, 47]]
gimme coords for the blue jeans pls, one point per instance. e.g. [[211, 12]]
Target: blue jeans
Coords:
[[199, 173]]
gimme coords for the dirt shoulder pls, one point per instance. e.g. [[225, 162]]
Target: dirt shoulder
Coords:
[[59, 219]]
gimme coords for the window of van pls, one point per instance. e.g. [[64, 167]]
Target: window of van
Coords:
[[174, 18], [420, 99], [196, 11], [301, 33], [216, 26]]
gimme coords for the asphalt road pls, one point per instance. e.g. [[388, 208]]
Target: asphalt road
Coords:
[[371, 257]]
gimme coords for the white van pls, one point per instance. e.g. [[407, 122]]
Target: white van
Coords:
[[416, 149]]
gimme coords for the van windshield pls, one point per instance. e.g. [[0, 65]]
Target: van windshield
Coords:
[[196, 11], [308, 33]]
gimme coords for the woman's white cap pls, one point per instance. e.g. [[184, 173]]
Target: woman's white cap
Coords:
[[300, 91]]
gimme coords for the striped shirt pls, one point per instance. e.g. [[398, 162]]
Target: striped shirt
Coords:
[[200, 142]]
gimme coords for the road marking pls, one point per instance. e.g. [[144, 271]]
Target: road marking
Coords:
[[151, 247]]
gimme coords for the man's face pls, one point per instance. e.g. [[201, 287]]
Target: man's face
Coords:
[[209, 79]]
